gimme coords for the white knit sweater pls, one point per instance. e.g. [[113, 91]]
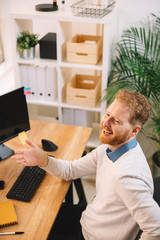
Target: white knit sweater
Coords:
[[123, 198]]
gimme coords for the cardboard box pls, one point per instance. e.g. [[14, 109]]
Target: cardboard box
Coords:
[[85, 49], [84, 90]]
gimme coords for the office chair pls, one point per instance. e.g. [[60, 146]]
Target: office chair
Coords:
[[156, 197], [67, 224]]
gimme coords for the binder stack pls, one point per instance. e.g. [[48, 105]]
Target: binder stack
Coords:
[[41, 80], [32, 81], [51, 84], [24, 77], [41, 86]]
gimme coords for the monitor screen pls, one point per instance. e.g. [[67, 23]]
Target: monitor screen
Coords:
[[13, 117]]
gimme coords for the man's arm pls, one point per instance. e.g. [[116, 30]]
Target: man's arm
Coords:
[[72, 169], [67, 170]]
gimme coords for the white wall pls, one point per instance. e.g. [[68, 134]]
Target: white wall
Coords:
[[131, 12]]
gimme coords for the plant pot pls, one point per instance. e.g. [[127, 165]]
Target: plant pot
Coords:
[[28, 54], [156, 164]]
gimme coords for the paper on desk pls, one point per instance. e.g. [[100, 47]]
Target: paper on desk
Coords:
[[23, 137]]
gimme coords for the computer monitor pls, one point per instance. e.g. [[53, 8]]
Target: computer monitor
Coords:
[[13, 118]]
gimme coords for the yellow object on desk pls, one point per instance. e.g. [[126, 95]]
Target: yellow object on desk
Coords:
[[7, 214], [23, 137]]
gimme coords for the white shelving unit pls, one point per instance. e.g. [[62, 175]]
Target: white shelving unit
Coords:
[[66, 25]]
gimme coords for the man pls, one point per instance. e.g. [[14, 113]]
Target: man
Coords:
[[124, 185]]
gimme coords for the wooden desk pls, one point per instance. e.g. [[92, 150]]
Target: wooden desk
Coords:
[[37, 217]]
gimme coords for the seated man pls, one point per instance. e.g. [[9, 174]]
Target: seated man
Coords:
[[124, 186]]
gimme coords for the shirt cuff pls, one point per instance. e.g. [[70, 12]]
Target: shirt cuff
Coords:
[[50, 167]]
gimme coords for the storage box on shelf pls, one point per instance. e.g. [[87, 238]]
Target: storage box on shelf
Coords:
[[84, 90], [86, 49], [93, 8], [48, 46]]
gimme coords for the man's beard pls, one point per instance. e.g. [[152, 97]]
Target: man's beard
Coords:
[[112, 139]]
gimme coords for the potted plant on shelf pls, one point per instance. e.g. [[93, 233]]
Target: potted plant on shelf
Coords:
[[26, 43], [137, 67]]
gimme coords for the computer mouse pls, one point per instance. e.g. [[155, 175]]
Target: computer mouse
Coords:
[[48, 145]]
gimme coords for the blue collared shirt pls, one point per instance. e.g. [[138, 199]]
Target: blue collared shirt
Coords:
[[114, 155]]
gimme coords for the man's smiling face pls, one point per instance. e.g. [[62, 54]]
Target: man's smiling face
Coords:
[[116, 128]]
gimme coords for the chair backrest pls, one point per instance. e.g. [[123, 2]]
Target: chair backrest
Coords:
[[156, 197], [138, 235]]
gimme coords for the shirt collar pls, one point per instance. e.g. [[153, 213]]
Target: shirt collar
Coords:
[[114, 155]]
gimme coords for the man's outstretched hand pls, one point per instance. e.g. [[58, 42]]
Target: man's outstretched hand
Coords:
[[32, 156]]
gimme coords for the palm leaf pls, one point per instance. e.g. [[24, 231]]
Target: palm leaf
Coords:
[[137, 67]]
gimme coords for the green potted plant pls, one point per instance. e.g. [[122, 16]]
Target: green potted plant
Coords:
[[137, 67], [26, 43]]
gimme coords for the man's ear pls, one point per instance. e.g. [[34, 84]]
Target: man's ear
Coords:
[[135, 130]]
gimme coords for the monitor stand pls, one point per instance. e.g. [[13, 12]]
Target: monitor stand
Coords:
[[5, 152]]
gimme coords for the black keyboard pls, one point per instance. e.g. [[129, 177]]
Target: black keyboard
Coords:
[[26, 184]]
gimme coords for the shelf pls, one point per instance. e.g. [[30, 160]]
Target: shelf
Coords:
[[95, 109], [38, 61], [65, 25], [43, 103], [53, 63], [60, 15], [97, 67]]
